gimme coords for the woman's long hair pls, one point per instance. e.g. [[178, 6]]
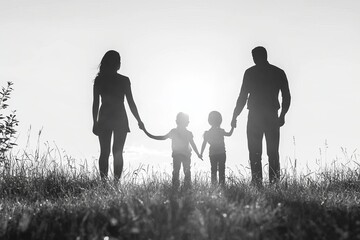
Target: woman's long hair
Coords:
[[110, 63]]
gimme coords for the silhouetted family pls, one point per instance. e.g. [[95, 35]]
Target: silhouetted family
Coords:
[[260, 89]]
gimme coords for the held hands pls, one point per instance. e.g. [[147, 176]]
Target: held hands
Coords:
[[145, 131], [141, 125]]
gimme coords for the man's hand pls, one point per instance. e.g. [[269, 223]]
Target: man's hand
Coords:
[[281, 121], [95, 129]]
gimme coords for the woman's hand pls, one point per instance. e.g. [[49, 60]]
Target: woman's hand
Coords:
[[281, 121], [141, 125]]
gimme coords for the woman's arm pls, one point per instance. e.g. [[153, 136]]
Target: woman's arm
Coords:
[[156, 137], [133, 108], [95, 109]]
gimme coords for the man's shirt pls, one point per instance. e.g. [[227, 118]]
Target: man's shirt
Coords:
[[262, 83]]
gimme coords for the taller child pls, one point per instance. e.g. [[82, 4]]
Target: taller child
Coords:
[[182, 140]]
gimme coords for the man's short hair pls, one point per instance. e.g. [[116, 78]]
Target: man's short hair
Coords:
[[259, 53]]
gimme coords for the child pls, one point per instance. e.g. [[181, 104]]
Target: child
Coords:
[[181, 151], [215, 137]]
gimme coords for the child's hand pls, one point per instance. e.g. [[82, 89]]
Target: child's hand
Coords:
[[146, 132]]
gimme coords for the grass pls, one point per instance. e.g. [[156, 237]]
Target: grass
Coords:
[[44, 199]]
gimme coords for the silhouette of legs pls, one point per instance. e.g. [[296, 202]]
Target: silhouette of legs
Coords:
[[176, 170], [187, 172], [218, 165], [255, 135], [272, 135], [260, 123], [177, 160], [214, 169], [118, 147], [105, 143], [222, 160]]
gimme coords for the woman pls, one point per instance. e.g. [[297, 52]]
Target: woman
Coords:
[[112, 119]]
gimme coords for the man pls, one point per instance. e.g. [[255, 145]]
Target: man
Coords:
[[260, 89]]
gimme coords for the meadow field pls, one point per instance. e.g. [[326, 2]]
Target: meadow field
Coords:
[[46, 199]]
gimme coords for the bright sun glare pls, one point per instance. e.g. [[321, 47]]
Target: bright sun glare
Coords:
[[194, 98]]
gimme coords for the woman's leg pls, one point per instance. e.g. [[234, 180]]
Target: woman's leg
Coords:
[[118, 148], [105, 142]]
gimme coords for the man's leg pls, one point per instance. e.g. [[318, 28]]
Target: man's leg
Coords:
[[254, 137], [272, 135]]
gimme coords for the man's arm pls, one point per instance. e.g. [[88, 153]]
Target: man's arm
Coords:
[[286, 99], [241, 101]]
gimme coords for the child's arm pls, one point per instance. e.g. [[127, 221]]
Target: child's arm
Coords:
[[203, 147], [228, 134], [156, 137], [192, 143]]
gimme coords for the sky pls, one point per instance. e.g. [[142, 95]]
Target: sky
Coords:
[[185, 56]]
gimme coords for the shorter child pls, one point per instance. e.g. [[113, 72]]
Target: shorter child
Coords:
[[181, 151], [215, 137]]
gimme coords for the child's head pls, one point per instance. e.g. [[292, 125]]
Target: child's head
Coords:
[[215, 119], [182, 119]]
